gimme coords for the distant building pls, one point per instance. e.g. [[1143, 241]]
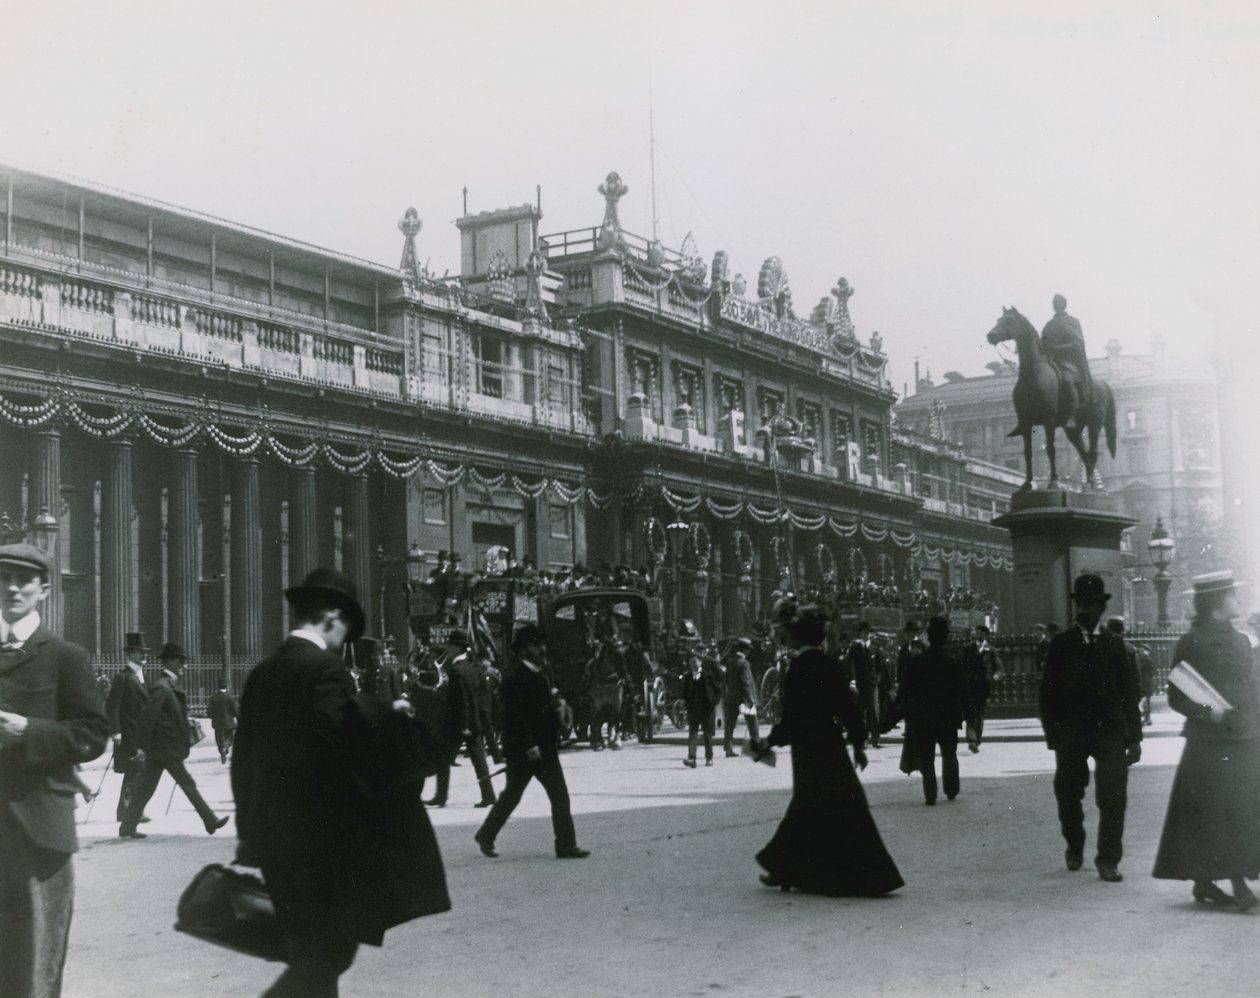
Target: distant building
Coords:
[[1168, 453]]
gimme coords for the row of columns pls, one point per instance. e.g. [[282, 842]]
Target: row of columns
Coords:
[[116, 606]]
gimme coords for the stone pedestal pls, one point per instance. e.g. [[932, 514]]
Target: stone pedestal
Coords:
[[1055, 536]]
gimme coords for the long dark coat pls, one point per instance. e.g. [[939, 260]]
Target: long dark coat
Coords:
[[125, 707], [1088, 691], [49, 683], [1212, 831], [327, 799], [827, 841], [164, 724]]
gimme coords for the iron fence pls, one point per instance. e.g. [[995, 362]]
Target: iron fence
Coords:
[[1015, 695], [201, 676]]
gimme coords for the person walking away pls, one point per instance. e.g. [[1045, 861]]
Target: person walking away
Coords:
[[827, 842], [931, 701], [1088, 707], [224, 714], [739, 695], [327, 796], [1212, 830], [701, 691], [531, 736], [490, 680], [51, 718], [981, 667], [164, 737], [463, 719], [865, 669], [125, 707]]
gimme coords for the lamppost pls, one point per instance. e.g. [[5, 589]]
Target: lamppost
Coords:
[[744, 587], [1161, 549], [677, 533]]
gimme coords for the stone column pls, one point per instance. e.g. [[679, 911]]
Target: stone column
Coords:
[[358, 560], [117, 612], [48, 496], [185, 577], [247, 562], [303, 549]]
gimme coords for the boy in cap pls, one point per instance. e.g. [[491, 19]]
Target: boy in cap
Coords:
[[1089, 707], [51, 718]]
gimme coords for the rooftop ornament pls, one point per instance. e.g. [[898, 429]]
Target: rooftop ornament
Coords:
[[410, 225], [613, 190]]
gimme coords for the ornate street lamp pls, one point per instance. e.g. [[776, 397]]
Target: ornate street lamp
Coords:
[[700, 585], [1161, 549]]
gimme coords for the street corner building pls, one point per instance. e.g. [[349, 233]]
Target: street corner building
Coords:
[[197, 413]]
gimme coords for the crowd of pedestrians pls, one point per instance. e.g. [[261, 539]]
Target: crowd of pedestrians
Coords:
[[330, 750]]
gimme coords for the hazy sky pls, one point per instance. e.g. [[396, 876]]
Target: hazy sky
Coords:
[[948, 159]]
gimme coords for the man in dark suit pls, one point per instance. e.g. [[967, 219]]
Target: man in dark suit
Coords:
[[931, 701], [164, 737], [738, 691], [224, 714], [1089, 707], [51, 718], [981, 667], [866, 668], [531, 733], [327, 788], [468, 699], [124, 707]]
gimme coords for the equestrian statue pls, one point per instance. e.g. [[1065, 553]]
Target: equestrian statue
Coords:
[[1054, 389]]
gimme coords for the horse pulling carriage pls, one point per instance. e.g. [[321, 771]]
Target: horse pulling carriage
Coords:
[[602, 648]]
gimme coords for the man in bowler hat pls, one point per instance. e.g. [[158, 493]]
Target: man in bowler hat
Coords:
[[51, 718], [124, 707], [739, 695], [531, 734], [164, 737], [1089, 707], [327, 788]]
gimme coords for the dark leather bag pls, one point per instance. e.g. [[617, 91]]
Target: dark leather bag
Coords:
[[231, 908]]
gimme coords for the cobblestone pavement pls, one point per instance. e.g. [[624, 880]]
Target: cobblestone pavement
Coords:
[[669, 903]]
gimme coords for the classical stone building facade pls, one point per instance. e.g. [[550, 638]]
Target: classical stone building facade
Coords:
[[194, 413]]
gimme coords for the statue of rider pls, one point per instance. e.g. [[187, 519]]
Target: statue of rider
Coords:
[[1063, 343]]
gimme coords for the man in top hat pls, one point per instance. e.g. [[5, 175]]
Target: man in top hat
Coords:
[[739, 695], [531, 734], [469, 704], [164, 737], [327, 788], [124, 707], [51, 718], [1089, 707]]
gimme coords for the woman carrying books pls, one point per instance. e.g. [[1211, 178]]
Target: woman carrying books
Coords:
[[1212, 831]]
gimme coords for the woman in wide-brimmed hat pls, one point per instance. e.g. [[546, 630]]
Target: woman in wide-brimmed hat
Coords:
[[1212, 831]]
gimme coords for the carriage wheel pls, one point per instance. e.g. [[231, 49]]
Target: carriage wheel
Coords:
[[771, 708], [770, 684], [678, 713]]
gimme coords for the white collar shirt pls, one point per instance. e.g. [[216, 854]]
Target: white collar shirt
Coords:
[[20, 631]]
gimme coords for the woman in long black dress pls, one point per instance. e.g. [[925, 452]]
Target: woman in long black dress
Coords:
[[1212, 831], [827, 842]]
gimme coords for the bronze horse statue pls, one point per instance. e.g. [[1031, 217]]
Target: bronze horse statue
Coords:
[[1040, 401]]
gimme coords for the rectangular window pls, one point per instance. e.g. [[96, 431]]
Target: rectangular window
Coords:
[[490, 365], [841, 434], [433, 503], [557, 385]]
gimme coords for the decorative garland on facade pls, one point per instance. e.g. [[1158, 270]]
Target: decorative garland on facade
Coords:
[[262, 440]]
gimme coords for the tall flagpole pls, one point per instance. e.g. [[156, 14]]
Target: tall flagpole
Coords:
[[652, 152]]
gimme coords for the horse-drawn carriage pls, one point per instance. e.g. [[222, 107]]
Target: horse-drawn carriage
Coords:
[[587, 627]]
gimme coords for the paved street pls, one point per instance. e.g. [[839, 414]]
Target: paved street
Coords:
[[669, 904]]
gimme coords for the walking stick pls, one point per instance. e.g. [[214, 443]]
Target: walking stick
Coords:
[[92, 803], [171, 799]]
